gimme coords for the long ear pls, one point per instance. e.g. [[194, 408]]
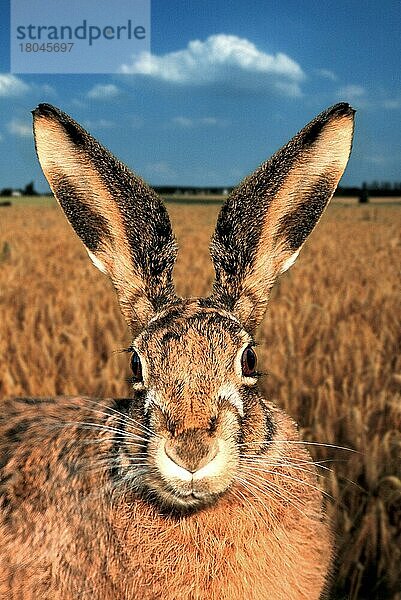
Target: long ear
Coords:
[[265, 221], [121, 221]]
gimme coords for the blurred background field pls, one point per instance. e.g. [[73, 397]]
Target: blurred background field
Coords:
[[330, 344]]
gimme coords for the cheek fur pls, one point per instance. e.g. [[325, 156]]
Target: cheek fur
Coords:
[[258, 425]]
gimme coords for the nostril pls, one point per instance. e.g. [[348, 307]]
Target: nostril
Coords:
[[174, 455], [191, 458]]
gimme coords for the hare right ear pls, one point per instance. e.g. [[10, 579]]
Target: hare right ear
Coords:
[[265, 221], [121, 221]]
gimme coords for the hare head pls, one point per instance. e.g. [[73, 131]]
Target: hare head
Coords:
[[197, 405]]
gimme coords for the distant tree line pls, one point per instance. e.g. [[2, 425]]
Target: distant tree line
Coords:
[[375, 188], [28, 190]]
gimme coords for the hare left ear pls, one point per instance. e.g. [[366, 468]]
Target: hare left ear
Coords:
[[265, 221], [121, 221]]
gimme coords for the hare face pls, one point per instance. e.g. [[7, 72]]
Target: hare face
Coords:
[[200, 404], [197, 402]]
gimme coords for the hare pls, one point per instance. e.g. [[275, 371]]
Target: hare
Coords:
[[196, 487]]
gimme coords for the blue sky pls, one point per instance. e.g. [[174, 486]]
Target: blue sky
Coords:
[[226, 84]]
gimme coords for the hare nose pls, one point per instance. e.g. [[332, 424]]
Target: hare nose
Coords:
[[191, 456]]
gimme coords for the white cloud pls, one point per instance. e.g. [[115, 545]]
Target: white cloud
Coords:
[[221, 58], [186, 122], [352, 92], [327, 74], [376, 159], [103, 92], [48, 89], [211, 121], [365, 99], [10, 85], [356, 95], [160, 168], [290, 89], [98, 124], [77, 103], [392, 104], [183, 121], [20, 128]]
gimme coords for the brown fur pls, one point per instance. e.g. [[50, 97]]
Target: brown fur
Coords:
[[66, 532], [196, 487]]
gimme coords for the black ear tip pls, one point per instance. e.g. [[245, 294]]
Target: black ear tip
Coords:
[[342, 109], [46, 110], [74, 131]]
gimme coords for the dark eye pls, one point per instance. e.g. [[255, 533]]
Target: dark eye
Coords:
[[136, 367], [248, 362]]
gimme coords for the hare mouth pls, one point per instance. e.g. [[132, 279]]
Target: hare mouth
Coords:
[[184, 500], [184, 496]]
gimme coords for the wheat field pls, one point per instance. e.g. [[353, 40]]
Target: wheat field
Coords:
[[330, 344]]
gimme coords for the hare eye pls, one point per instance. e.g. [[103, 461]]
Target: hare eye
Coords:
[[136, 367], [248, 362]]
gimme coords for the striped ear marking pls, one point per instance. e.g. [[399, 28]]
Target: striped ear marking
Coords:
[[267, 218], [121, 221]]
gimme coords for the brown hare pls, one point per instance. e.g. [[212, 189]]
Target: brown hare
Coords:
[[197, 487]]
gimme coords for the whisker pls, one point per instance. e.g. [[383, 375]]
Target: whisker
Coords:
[[259, 466], [270, 487], [290, 497], [302, 443], [251, 506], [301, 481], [100, 426], [116, 438], [116, 461], [123, 421], [124, 417], [277, 492], [266, 507], [256, 459]]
